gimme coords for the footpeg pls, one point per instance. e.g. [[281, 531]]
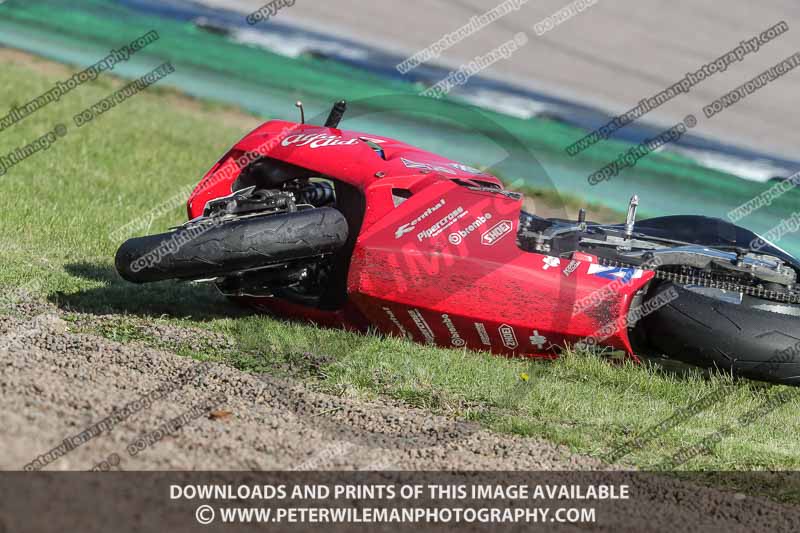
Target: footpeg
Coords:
[[630, 220]]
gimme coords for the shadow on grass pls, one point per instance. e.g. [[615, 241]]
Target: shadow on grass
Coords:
[[174, 299], [676, 369], [202, 302]]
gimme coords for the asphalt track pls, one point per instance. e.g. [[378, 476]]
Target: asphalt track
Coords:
[[611, 55]]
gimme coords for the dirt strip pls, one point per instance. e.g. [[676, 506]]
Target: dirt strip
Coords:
[[56, 384]]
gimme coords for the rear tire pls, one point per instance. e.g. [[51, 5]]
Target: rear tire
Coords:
[[735, 338], [231, 246]]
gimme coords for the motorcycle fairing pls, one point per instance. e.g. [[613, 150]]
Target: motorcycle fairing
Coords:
[[481, 292], [457, 278]]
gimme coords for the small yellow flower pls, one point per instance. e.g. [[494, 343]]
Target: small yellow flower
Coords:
[[524, 376]]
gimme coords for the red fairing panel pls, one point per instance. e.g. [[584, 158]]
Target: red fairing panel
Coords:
[[445, 269], [443, 265], [345, 155]]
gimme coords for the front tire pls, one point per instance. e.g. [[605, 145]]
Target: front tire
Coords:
[[215, 248]]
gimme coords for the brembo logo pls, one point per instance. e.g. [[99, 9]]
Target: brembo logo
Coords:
[[455, 336], [457, 236], [407, 228]]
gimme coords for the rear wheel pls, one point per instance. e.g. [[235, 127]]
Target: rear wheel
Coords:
[[742, 335]]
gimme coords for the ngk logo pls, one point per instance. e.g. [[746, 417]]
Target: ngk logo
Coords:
[[508, 336], [497, 232]]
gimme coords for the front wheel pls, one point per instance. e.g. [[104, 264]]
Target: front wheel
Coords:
[[737, 334], [218, 246]]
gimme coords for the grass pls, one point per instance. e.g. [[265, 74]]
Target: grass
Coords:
[[571, 204], [59, 207]]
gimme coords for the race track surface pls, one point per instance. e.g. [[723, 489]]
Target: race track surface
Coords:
[[611, 56]]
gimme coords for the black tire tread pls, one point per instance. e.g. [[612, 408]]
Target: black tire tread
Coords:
[[736, 339], [236, 245]]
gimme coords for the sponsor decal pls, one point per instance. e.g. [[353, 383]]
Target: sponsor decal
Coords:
[[425, 166], [571, 267], [455, 337], [407, 228], [549, 261], [483, 334], [615, 273], [466, 168], [372, 139], [448, 220], [538, 340], [395, 321], [508, 336], [497, 232], [423, 326], [459, 235], [317, 140], [586, 258]]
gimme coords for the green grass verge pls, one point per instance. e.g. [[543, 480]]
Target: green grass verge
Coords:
[[59, 207]]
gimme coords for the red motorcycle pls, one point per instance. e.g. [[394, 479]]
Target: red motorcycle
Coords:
[[359, 231]]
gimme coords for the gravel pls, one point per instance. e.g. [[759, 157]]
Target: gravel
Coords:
[[55, 383]]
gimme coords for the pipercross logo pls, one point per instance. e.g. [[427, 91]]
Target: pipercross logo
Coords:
[[497, 232], [448, 220], [408, 228], [422, 325], [508, 336]]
